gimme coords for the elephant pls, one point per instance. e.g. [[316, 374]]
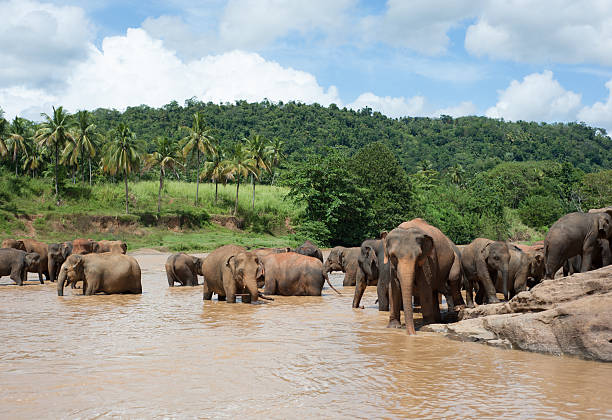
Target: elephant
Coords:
[[115, 247], [575, 234], [345, 260], [293, 274], [373, 271], [16, 264], [83, 246], [310, 249], [56, 255], [518, 272], [231, 270], [106, 273], [537, 268], [184, 269], [530, 249], [262, 252], [13, 243], [41, 249], [483, 260], [419, 255], [602, 257]]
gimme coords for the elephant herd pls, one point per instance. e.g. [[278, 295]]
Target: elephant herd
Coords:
[[414, 260], [102, 266]]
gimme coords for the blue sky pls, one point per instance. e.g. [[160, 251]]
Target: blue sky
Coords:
[[532, 60]]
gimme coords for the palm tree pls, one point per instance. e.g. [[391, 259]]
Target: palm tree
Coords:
[[276, 155], [17, 140], [166, 157], [122, 155], [240, 164], [258, 149], [53, 133], [70, 154], [33, 159], [199, 138], [456, 174], [3, 131], [86, 139], [214, 168]]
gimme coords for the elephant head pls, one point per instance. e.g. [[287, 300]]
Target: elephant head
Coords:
[[604, 225], [334, 260], [72, 270], [12, 243], [496, 256], [247, 271], [57, 254], [368, 262], [537, 268], [407, 250], [32, 261]]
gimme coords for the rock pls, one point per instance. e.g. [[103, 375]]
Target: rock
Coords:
[[571, 315]]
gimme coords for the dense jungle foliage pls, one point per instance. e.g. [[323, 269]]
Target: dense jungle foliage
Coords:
[[351, 173]]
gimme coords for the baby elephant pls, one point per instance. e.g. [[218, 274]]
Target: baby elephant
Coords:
[[292, 274], [16, 264], [106, 273], [184, 269]]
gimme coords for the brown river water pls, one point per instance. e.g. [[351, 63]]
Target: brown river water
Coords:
[[165, 354]]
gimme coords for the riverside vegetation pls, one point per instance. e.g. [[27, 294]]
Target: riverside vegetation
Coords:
[[331, 175]]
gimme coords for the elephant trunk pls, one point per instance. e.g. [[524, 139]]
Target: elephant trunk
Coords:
[[405, 273], [60, 283], [251, 287], [505, 291], [359, 289], [51, 268]]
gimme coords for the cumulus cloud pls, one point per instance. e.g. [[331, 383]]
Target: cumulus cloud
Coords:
[[40, 42], [564, 31], [600, 113], [460, 110], [136, 69], [421, 25], [392, 107], [538, 97]]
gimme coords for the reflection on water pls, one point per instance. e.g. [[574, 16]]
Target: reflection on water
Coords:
[[167, 354]]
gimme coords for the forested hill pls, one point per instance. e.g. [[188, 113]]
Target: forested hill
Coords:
[[476, 143]]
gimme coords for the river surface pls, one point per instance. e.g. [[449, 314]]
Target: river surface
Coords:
[[166, 354]]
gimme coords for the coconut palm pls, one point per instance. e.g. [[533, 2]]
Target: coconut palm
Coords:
[[166, 156], [16, 140], [276, 155], [199, 139], [214, 168], [53, 133], [258, 149], [239, 165], [456, 174], [33, 159], [4, 125], [86, 139], [122, 155]]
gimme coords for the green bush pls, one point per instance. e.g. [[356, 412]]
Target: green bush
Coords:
[[540, 211]]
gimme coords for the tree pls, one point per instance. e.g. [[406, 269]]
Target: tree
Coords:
[[16, 140], [258, 149], [456, 174], [122, 155], [200, 139], [86, 139], [240, 164], [166, 156], [214, 168], [53, 133], [70, 155], [34, 158], [276, 155]]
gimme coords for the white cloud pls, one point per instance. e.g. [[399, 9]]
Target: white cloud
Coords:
[[392, 107], [135, 69], [421, 25], [600, 113], [40, 42], [564, 31], [538, 97], [461, 110]]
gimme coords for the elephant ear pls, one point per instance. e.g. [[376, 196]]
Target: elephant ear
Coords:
[[372, 256], [21, 245], [341, 257], [229, 262], [485, 251], [604, 225], [427, 247], [261, 271]]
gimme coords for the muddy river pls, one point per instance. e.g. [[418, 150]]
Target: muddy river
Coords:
[[165, 354]]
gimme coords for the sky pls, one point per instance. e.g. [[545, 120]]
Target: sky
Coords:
[[532, 60]]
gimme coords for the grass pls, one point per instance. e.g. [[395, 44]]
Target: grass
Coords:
[[266, 225], [519, 231]]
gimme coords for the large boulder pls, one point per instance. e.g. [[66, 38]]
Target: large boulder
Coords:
[[571, 315]]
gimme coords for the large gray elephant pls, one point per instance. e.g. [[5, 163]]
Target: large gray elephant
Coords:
[[231, 270], [483, 261], [183, 269], [56, 255], [373, 271], [30, 245], [16, 264], [519, 270], [310, 249], [345, 260], [293, 274], [576, 234], [106, 273], [420, 255], [115, 247]]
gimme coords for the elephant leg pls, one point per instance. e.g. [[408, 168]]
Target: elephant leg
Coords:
[[469, 291], [221, 298], [382, 290], [587, 258], [489, 289], [429, 302], [17, 275], [395, 297], [170, 280]]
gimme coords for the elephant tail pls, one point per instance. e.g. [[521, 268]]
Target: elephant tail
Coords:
[[329, 283]]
